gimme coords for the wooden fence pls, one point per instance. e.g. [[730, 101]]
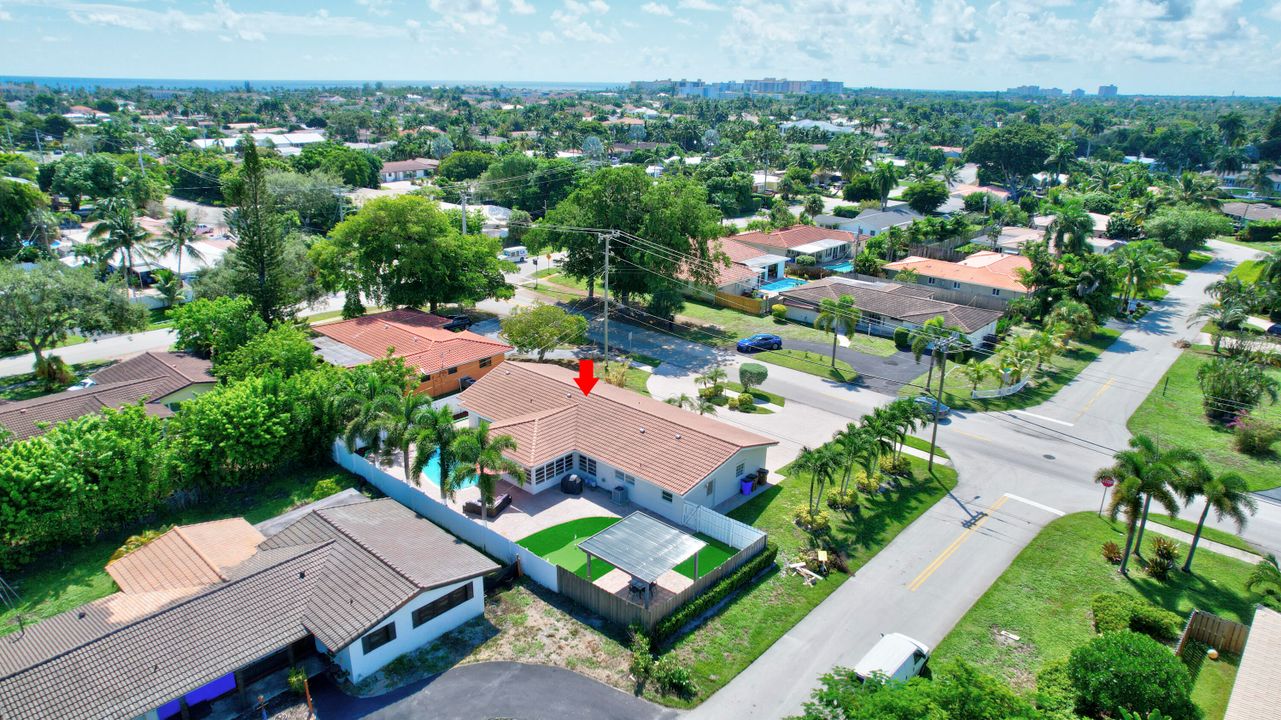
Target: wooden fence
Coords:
[[626, 612], [1222, 635], [752, 306]]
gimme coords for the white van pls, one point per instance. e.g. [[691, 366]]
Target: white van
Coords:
[[515, 253], [896, 656]]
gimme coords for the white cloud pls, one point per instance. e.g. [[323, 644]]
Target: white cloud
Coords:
[[1274, 12], [572, 23], [698, 5], [459, 15], [5, 15], [654, 8], [376, 7], [521, 7]]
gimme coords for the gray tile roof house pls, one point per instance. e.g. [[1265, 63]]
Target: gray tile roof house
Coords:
[[905, 303], [154, 377], [333, 575], [875, 222]]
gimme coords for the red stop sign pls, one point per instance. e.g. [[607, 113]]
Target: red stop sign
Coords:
[[1107, 482]]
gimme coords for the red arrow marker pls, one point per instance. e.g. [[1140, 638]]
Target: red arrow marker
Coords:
[[586, 376]]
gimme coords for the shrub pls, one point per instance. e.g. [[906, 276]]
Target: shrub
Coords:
[[1262, 231], [842, 499], [867, 483], [674, 678], [323, 488], [814, 522], [1253, 436], [642, 664], [297, 680], [1165, 554], [54, 371], [1128, 671], [1055, 697], [805, 260], [902, 337], [685, 614], [714, 391], [1117, 611], [1111, 611], [751, 375], [897, 465], [1112, 552], [779, 311], [745, 402], [136, 541]]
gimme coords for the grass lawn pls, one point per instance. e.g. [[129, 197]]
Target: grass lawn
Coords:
[[1248, 271], [1195, 261], [1211, 679], [1173, 415], [1264, 247], [924, 444], [559, 546], [158, 318], [812, 363], [74, 576], [1044, 597], [730, 325], [635, 380], [27, 386], [1188, 525], [1051, 378], [759, 394], [720, 648]]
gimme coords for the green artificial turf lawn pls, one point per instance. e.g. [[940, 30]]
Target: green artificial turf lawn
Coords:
[[1044, 597], [1174, 417]]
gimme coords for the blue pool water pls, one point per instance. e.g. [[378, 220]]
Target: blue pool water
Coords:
[[784, 284], [842, 268], [432, 471]]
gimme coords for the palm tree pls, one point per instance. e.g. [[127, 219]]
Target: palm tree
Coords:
[[437, 431], [857, 445], [1229, 160], [1227, 493], [881, 426], [976, 371], [905, 416], [482, 456], [1060, 159], [1194, 189], [950, 174], [1103, 176], [179, 239], [1232, 126], [1128, 500], [1266, 575], [821, 464], [1070, 230], [357, 406], [1144, 266], [400, 420], [118, 233], [926, 336], [1018, 353], [700, 405], [884, 178], [1076, 317], [1156, 473], [1226, 316], [839, 317], [713, 375]]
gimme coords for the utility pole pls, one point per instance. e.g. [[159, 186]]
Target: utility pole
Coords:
[[462, 197], [39, 147], [607, 237]]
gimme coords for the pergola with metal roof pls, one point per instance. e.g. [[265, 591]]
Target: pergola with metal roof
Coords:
[[644, 547]]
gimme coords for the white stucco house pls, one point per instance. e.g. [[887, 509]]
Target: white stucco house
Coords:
[[661, 456]]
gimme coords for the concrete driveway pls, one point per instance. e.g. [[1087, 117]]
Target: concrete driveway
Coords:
[[492, 690]]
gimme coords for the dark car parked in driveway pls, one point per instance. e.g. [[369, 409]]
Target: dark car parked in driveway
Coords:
[[1274, 329], [760, 341], [457, 323]]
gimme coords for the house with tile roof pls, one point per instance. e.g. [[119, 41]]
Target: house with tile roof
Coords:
[[445, 361], [159, 380], [208, 615], [985, 273], [661, 455], [888, 305], [823, 244], [396, 170], [748, 268]]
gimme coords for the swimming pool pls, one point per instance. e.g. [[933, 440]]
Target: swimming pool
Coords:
[[842, 268], [432, 472], [783, 284]]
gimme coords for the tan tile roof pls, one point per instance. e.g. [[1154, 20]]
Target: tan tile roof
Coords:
[[794, 236], [540, 404], [415, 336], [909, 303], [1255, 694], [187, 556], [986, 268]]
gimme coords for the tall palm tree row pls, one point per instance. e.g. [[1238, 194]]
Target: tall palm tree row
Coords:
[[1143, 473]]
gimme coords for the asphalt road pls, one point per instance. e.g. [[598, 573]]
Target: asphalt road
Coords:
[[492, 690]]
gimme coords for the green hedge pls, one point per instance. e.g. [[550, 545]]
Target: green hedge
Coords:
[[1262, 231], [670, 625], [1116, 611]]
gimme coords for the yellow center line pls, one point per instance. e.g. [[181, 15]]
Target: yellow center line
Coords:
[[1102, 389], [971, 435], [919, 580]]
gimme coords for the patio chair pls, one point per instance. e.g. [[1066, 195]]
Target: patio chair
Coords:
[[472, 507]]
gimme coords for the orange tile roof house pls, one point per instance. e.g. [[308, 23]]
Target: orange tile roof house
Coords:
[[160, 379], [443, 359], [210, 615], [983, 273], [749, 267], [823, 243], [662, 455]]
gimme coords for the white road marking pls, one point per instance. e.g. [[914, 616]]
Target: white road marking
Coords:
[[1036, 504], [1042, 417]]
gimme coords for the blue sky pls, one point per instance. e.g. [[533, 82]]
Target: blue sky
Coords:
[[1144, 46]]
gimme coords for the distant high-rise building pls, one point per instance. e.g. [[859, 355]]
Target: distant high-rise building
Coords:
[[1078, 93], [766, 86], [1107, 91], [1025, 91]]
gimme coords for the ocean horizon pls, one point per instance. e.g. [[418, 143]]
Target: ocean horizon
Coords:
[[121, 83]]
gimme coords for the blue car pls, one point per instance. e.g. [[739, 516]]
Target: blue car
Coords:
[[933, 406], [760, 341]]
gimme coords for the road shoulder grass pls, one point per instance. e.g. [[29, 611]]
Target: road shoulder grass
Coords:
[[1172, 413], [810, 363]]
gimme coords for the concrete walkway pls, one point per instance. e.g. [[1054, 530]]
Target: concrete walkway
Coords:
[[1203, 544]]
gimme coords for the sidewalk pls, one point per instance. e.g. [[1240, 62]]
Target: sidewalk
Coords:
[[1203, 544]]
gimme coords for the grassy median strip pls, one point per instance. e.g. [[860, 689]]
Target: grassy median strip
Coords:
[[811, 363]]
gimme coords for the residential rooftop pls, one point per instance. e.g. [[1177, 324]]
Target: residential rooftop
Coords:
[[417, 337]]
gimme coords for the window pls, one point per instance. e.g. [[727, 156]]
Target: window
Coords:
[[587, 465], [442, 604], [621, 476], [929, 281], [425, 378], [378, 638], [451, 371], [956, 285], [711, 487], [486, 362], [738, 470], [667, 497], [996, 291]]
